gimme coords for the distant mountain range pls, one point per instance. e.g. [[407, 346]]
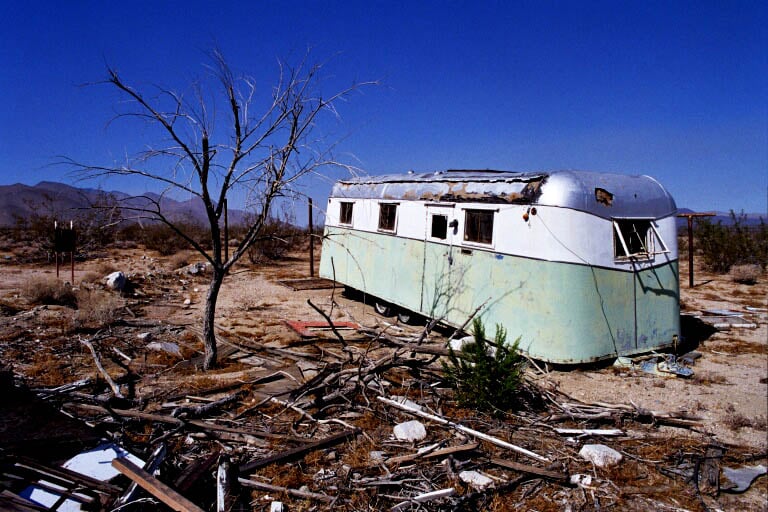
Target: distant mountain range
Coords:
[[750, 219], [65, 202]]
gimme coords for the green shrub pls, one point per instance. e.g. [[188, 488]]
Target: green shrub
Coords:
[[486, 374], [722, 247]]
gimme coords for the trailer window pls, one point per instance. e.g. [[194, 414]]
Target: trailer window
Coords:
[[439, 227], [345, 215], [632, 238], [387, 216], [478, 226]]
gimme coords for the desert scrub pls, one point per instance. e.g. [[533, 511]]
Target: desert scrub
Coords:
[[48, 290], [722, 246], [745, 274], [97, 308], [486, 374]]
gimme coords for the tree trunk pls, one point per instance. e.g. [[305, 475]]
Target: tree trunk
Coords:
[[209, 326]]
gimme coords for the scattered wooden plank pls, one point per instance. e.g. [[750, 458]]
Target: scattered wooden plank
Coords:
[[155, 487], [295, 453], [293, 492], [312, 283], [589, 432], [474, 433], [65, 477], [434, 454], [195, 472], [198, 424], [525, 468], [423, 498], [11, 502], [303, 328], [100, 367]]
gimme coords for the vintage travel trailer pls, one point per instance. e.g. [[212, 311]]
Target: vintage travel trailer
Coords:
[[582, 266]]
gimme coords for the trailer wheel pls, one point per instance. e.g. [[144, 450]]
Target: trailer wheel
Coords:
[[404, 317], [382, 308]]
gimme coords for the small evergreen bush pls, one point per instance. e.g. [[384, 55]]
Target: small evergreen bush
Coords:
[[486, 374]]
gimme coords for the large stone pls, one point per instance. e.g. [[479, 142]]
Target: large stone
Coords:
[[410, 431], [600, 455], [116, 281]]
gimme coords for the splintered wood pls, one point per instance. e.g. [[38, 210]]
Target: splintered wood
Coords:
[[315, 428]]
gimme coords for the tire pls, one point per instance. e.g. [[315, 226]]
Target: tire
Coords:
[[405, 317], [382, 308]]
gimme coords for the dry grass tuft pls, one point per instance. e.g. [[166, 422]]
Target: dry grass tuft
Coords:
[[178, 260], [737, 421], [745, 274], [48, 290], [97, 308]]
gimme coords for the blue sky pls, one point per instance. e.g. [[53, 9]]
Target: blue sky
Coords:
[[675, 90]]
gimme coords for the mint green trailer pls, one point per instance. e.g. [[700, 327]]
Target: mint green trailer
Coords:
[[582, 266]]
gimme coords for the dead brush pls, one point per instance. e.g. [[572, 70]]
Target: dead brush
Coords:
[[707, 379], [745, 274], [737, 421], [178, 260], [97, 308], [48, 290]]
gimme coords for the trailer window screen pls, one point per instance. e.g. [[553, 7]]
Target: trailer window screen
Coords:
[[478, 226], [345, 215], [387, 216], [439, 227], [632, 238]]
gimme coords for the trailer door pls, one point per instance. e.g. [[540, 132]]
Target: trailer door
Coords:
[[441, 232]]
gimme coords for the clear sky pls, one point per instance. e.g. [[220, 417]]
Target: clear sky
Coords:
[[677, 90]]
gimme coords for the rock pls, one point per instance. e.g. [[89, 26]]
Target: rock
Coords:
[[600, 455], [164, 346], [187, 302], [197, 268], [116, 281], [476, 480], [581, 480], [410, 431]]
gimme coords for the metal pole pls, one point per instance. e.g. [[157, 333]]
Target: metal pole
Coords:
[[55, 246], [311, 243], [72, 253], [690, 251]]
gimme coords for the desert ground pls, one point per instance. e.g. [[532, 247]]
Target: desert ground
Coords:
[[275, 390]]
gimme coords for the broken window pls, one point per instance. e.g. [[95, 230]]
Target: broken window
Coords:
[[635, 238], [478, 226], [387, 216], [440, 226], [345, 215]]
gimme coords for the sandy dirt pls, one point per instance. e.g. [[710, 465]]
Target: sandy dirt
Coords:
[[728, 392]]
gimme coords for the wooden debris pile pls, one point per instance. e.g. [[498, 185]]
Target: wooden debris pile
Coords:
[[360, 422]]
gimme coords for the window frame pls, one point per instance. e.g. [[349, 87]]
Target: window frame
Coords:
[[652, 237], [342, 206], [481, 211], [382, 229]]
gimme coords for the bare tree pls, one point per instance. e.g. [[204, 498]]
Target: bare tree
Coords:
[[262, 154]]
